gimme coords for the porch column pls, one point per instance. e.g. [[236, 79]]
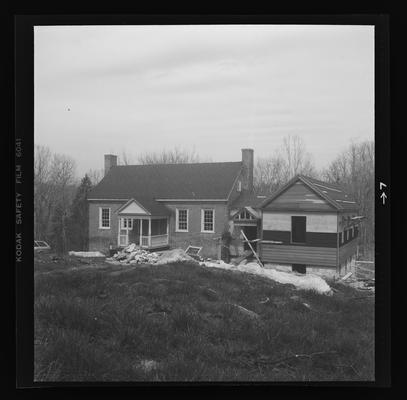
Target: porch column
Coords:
[[141, 231], [168, 224], [149, 232], [118, 232]]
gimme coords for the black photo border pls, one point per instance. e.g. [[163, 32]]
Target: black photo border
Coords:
[[23, 120]]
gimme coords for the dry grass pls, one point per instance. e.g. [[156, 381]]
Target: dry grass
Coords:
[[178, 323]]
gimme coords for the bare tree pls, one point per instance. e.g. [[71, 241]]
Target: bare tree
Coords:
[[290, 159], [173, 156], [62, 179], [126, 158], [42, 190], [269, 174], [353, 169], [54, 178], [95, 176], [297, 159]]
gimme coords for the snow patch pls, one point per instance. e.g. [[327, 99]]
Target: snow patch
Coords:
[[172, 256], [305, 282], [86, 254]]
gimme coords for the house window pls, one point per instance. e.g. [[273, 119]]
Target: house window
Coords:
[[104, 218], [298, 229], [208, 220], [347, 234], [182, 220]]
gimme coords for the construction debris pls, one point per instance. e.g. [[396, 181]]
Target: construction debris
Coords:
[[346, 276], [358, 283], [238, 260], [133, 254]]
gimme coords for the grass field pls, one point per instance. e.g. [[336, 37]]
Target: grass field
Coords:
[[182, 322]]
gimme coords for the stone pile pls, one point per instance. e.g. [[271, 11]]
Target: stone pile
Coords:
[[133, 254]]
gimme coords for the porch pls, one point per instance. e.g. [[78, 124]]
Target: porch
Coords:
[[148, 232]]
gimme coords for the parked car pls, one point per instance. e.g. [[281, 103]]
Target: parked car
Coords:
[[40, 245]]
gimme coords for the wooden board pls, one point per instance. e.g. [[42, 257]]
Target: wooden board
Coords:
[[301, 197], [313, 239], [287, 254]]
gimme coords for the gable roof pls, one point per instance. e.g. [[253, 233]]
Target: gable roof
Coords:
[[249, 209], [146, 183], [247, 199], [332, 193]]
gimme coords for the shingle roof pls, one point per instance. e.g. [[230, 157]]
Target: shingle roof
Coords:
[[334, 194], [247, 199], [145, 183]]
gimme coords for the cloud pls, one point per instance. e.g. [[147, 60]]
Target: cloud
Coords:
[[200, 85]]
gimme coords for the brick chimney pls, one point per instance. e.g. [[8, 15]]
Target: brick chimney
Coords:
[[247, 170], [110, 161]]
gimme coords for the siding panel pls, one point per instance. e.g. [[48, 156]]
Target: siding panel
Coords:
[[319, 256], [347, 251], [313, 239], [300, 197], [316, 222]]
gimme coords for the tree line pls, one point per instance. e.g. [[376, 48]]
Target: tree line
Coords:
[[61, 210]]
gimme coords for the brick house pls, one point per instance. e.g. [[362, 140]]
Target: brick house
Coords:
[[172, 205]]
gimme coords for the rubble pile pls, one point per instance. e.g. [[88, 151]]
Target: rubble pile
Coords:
[[360, 284], [133, 254]]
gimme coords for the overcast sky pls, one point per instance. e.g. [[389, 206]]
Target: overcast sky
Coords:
[[215, 89]]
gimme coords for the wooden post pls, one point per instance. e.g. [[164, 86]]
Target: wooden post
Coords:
[[251, 247], [141, 232], [149, 232], [168, 224]]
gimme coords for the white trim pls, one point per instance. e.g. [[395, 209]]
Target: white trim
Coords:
[[177, 220], [100, 217], [128, 203], [201, 200], [107, 199], [202, 219]]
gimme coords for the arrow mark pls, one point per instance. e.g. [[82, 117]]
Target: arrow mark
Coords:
[[384, 197]]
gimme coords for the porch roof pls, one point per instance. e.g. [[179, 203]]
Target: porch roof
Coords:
[[149, 205]]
